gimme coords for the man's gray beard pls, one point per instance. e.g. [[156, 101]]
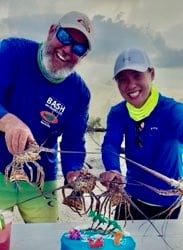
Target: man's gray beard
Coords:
[[59, 74]]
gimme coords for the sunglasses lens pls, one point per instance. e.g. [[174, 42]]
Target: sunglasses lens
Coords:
[[64, 37], [138, 141], [79, 49]]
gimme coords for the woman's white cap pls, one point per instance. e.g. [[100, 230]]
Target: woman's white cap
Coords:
[[132, 58]]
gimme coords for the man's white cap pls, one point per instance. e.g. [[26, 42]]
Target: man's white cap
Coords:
[[79, 21], [132, 58]]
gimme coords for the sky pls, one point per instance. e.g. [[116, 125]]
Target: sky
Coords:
[[155, 26]]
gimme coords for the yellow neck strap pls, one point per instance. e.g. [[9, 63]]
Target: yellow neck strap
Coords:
[[138, 114]]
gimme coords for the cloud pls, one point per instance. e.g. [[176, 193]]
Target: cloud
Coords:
[[118, 24], [32, 27], [111, 37], [123, 27]]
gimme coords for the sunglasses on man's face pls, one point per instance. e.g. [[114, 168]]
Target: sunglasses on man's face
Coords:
[[139, 127], [66, 39]]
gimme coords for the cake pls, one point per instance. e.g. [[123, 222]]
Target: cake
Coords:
[[102, 237], [90, 239]]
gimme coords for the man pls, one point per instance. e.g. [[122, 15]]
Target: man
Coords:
[[152, 127], [41, 99]]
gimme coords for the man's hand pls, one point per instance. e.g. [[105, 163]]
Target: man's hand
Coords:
[[17, 133], [107, 177], [72, 175]]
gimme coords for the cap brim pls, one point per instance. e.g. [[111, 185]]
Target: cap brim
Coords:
[[131, 67]]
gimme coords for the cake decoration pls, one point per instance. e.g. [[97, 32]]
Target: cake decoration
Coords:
[[96, 243], [117, 236], [74, 234]]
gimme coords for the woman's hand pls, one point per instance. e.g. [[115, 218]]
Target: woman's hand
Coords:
[[107, 177]]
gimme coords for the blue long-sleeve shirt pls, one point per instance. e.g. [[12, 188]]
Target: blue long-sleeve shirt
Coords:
[[50, 110], [162, 149]]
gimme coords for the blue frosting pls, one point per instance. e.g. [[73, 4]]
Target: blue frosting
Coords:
[[126, 242]]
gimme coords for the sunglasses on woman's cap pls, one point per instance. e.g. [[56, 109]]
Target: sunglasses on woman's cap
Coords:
[[66, 39]]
